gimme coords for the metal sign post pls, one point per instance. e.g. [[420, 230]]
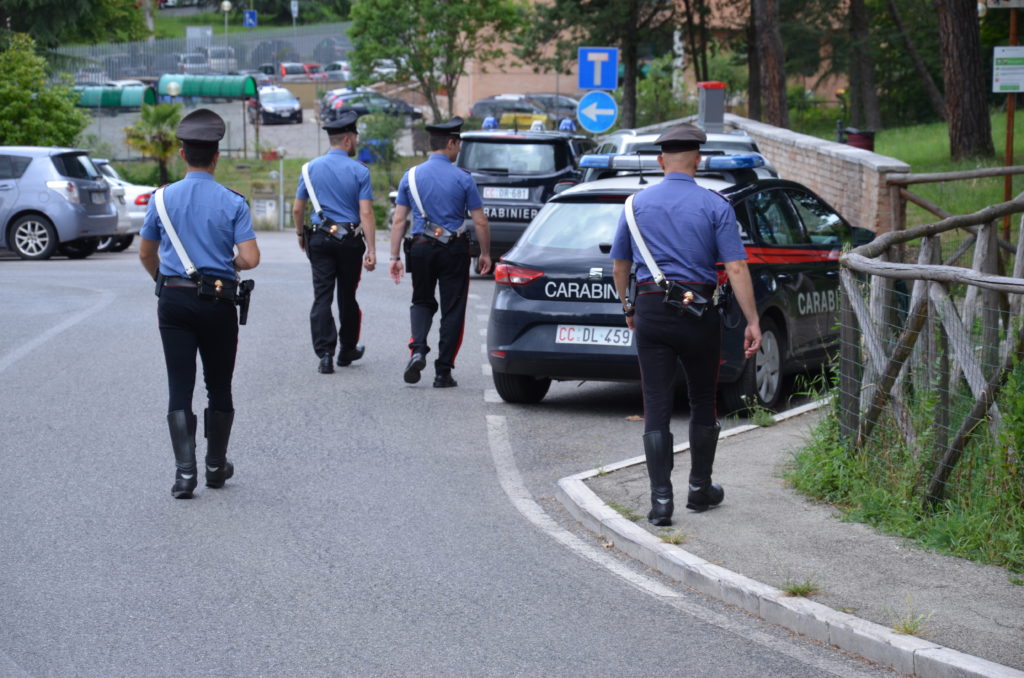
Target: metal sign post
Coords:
[[1011, 95]]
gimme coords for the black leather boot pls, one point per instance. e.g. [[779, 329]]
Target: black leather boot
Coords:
[[703, 494], [660, 460], [217, 427], [182, 425]]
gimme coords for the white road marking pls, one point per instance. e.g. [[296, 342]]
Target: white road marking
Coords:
[[491, 396], [486, 369], [512, 483], [17, 354]]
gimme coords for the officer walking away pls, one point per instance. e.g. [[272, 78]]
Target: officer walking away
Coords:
[[438, 194], [340, 241], [197, 314], [687, 229]]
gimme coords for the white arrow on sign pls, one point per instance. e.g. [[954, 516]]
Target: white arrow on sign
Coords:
[[592, 111]]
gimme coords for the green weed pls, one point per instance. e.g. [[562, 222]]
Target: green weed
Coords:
[[803, 589], [625, 512]]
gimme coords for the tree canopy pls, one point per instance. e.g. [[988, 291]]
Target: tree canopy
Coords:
[[428, 42], [35, 111]]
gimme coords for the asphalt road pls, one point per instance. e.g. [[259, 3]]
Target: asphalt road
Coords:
[[372, 529]]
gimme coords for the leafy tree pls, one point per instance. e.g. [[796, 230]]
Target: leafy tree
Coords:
[[655, 100], [555, 30], [44, 20], [35, 111], [153, 135], [429, 41], [378, 134], [107, 21]]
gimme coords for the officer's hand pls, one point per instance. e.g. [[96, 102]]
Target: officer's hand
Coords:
[[302, 242], [751, 340], [484, 266], [370, 261], [396, 270], [631, 322]]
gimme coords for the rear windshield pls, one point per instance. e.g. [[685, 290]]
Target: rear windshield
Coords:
[[488, 156], [294, 70], [315, 69], [76, 166], [574, 225]]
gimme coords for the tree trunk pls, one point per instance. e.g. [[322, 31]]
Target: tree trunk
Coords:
[[147, 16], [934, 95], [629, 52], [753, 72], [970, 130], [867, 108], [703, 12], [772, 58]]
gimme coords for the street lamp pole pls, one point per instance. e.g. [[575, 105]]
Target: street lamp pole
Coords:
[[225, 7]]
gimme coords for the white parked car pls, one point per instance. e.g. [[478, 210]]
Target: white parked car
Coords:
[[132, 201]]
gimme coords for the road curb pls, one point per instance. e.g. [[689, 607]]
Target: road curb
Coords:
[[903, 653]]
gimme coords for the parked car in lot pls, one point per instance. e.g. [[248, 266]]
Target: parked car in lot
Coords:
[[625, 141], [91, 74], [364, 102], [274, 104], [517, 173], [193, 63], [338, 71], [261, 78], [294, 71], [556, 315], [222, 59], [53, 200], [273, 52], [558, 105], [131, 208], [513, 111]]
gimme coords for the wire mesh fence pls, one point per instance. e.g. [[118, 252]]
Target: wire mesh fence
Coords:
[[931, 383]]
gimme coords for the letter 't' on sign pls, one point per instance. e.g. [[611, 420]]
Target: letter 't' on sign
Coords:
[[598, 68]]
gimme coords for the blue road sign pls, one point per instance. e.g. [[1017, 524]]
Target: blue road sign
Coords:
[[599, 68], [597, 112], [249, 18]]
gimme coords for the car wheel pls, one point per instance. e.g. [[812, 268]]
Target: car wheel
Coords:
[[520, 388], [106, 244], [33, 237], [79, 249], [300, 118], [121, 244], [761, 383]]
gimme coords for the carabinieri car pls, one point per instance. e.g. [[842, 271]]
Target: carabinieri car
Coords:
[[556, 316]]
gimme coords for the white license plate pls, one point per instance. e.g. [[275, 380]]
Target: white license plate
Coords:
[[593, 335], [99, 197], [506, 193]]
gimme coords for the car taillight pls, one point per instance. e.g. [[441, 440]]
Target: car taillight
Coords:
[[67, 190], [507, 274], [143, 199]]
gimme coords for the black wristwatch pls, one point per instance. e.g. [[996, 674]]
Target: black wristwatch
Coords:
[[628, 311]]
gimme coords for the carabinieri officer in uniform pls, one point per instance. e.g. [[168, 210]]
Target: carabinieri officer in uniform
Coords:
[[210, 221], [687, 229], [339, 243], [439, 256]]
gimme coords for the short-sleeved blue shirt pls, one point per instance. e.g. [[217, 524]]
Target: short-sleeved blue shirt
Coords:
[[445, 190], [687, 228], [340, 183], [208, 218]]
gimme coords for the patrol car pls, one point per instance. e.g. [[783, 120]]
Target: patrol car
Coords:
[[516, 172], [556, 315]]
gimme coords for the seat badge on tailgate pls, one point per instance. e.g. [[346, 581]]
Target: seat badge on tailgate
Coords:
[[596, 273]]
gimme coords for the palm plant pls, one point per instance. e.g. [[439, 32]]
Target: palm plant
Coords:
[[153, 135]]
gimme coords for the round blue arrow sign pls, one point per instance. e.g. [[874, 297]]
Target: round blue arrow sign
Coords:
[[597, 112]]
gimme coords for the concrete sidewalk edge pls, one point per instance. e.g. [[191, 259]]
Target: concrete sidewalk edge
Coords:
[[903, 653]]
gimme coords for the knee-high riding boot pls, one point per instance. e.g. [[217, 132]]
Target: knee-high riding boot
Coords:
[[217, 426], [703, 494], [658, 450], [182, 426]]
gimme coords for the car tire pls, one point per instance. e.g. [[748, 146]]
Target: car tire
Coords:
[[300, 118], [520, 388], [121, 244], [79, 249], [761, 382], [33, 237]]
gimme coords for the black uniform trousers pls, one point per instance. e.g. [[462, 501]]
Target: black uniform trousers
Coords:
[[663, 335], [190, 324], [446, 268], [336, 264]]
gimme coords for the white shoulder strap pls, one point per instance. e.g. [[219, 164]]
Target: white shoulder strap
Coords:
[[165, 219], [659, 277], [312, 193], [416, 194]]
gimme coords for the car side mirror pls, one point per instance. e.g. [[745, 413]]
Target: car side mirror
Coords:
[[860, 236]]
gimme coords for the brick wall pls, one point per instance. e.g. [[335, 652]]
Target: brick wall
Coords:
[[850, 179]]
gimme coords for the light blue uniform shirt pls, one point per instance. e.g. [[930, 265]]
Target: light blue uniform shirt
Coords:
[[340, 183], [208, 218], [687, 228], [446, 192]]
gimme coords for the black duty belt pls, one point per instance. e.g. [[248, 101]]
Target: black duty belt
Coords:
[[174, 281], [338, 230], [652, 287], [444, 238]]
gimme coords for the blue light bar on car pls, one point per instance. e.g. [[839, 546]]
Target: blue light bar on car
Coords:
[[595, 160], [732, 162]]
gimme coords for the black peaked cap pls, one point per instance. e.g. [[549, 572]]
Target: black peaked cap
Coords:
[[201, 126], [683, 137], [344, 122]]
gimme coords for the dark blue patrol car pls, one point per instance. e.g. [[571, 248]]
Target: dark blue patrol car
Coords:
[[555, 313]]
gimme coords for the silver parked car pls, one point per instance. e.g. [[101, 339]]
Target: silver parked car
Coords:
[[53, 200], [132, 201]]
